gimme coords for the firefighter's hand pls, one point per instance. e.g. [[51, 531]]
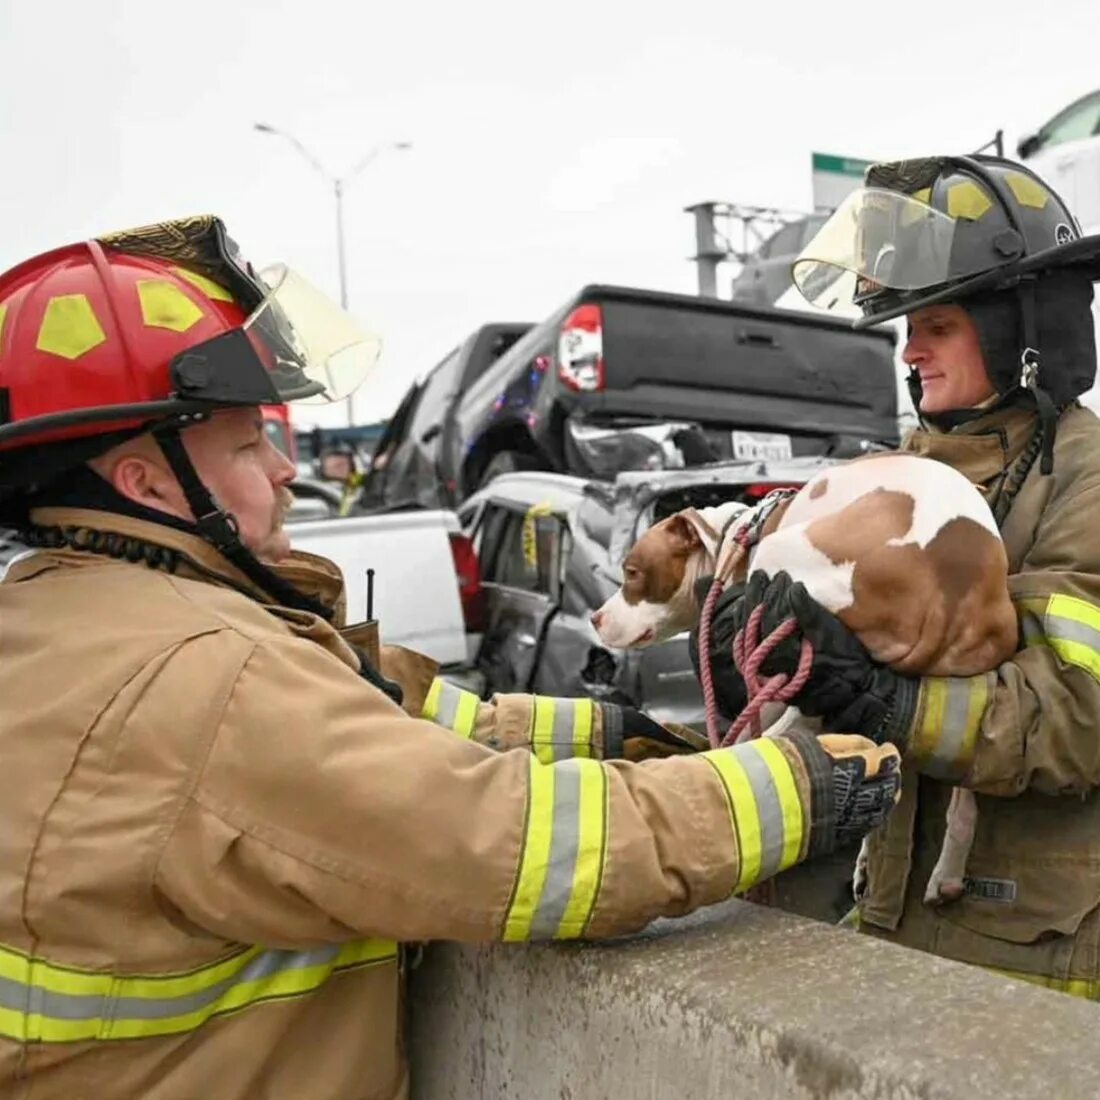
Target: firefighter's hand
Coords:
[[631, 735], [865, 782], [849, 690]]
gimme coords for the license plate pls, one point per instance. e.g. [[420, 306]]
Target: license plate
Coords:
[[761, 445]]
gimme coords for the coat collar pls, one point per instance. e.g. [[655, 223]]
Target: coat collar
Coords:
[[310, 574], [981, 449]]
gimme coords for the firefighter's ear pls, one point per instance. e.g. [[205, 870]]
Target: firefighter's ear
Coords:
[[138, 471]]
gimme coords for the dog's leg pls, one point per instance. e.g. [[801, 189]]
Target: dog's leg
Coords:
[[946, 881], [859, 872]]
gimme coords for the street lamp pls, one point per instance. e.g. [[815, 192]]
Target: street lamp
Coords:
[[338, 184]]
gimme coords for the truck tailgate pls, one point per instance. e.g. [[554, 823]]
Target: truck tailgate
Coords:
[[719, 365], [416, 598]]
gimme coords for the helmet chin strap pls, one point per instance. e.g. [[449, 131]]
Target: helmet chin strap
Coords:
[[1029, 374], [220, 530]]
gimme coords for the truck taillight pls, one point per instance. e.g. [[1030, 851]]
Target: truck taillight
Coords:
[[580, 350], [761, 489], [470, 591]]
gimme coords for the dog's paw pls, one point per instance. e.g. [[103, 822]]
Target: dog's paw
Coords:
[[943, 888]]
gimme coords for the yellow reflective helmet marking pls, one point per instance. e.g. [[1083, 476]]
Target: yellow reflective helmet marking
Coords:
[[164, 305], [3, 316], [211, 289], [69, 327], [967, 200], [77, 1005], [1028, 192]]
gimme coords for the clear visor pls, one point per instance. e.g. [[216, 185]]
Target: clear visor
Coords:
[[313, 350], [877, 240]]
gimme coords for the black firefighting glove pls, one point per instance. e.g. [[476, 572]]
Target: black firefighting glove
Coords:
[[628, 734], [729, 686], [866, 784], [846, 688]]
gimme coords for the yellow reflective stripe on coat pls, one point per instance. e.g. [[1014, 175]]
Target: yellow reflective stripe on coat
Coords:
[[766, 812], [42, 1002], [450, 706], [1069, 625], [1086, 988], [561, 728], [944, 735], [564, 848]]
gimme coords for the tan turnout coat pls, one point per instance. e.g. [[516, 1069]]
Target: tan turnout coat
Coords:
[[213, 831], [1026, 739]]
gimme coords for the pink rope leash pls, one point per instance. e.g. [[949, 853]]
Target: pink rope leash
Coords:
[[749, 653]]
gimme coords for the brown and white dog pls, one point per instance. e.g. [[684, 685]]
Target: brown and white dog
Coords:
[[903, 549]]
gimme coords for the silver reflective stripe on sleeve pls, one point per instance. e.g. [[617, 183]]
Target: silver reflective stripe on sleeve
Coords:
[[450, 706], [565, 840], [766, 812], [561, 728]]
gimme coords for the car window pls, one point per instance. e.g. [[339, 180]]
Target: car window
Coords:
[[490, 348], [395, 427], [1080, 120], [488, 538], [438, 388], [596, 519], [524, 551]]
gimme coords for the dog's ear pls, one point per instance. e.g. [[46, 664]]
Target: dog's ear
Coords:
[[690, 530]]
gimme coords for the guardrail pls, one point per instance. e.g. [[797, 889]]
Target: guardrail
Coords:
[[735, 1002]]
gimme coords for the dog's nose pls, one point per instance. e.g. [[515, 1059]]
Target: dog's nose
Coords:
[[596, 619]]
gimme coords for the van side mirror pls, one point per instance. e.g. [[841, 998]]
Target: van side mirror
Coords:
[[1027, 145]]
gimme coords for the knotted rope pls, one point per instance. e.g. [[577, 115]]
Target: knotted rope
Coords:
[[749, 652]]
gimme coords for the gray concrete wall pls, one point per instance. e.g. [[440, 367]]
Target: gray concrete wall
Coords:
[[739, 1002]]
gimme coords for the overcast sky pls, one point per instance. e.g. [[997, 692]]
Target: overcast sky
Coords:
[[554, 145]]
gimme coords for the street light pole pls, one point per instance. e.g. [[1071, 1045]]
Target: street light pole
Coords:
[[338, 184], [341, 258]]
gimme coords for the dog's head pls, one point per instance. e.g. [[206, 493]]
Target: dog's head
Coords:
[[657, 597]]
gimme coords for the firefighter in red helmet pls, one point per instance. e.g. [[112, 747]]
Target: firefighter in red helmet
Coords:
[[220, 816]]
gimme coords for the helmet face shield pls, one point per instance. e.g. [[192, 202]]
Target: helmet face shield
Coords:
[[879, 240], [314, 351], [297, 345]]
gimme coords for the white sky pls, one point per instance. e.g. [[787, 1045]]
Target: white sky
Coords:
[[554, 145]]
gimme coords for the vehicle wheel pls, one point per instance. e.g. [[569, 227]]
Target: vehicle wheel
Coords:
[[507, 462]]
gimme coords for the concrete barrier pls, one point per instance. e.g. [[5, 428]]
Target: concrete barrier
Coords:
[[737, 1002]]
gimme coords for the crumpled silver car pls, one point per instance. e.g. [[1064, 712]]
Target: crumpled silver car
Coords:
[[550, 547]]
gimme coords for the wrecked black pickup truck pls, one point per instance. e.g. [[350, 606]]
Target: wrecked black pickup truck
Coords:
[[741, 381]]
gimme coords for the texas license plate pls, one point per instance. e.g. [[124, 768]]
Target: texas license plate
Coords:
[[766, 445]]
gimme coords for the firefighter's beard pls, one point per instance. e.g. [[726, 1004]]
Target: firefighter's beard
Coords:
[[277, 544]]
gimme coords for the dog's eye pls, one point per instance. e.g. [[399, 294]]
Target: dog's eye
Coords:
[[629, 572]]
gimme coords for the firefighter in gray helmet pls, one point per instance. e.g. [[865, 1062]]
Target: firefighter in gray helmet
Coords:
[[994, 279]]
